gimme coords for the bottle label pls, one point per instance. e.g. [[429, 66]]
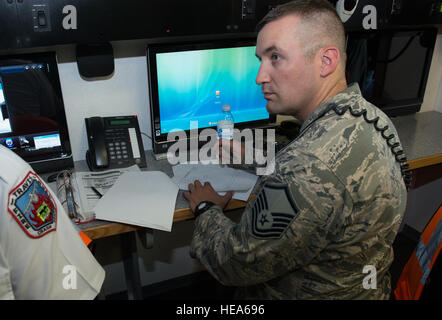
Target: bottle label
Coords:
[[225, 129]]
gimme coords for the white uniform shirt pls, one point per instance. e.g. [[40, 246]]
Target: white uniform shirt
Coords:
[[41, 254]]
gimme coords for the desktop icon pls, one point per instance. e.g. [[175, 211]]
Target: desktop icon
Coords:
[[9, 142], [24, 142]]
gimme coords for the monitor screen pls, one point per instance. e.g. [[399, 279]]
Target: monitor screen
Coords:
[[189, 83], [32, 122], [391, 67]]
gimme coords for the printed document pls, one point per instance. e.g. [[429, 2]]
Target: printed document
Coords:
[[221, 178], [87, 198], [144, 198]]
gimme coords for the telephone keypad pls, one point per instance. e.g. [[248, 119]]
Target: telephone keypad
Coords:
[[117, 141]]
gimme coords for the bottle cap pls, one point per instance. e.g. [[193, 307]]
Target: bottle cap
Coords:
[[226, 107]]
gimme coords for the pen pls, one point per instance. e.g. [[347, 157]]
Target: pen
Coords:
[[98, 193], [70, 203]]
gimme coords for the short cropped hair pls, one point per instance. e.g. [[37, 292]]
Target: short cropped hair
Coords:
[[320, 24]]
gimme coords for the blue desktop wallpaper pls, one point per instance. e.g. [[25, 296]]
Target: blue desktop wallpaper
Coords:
[[193, 86], [2, 99]]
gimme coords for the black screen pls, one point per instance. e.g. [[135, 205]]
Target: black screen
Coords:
[[391, 67], [32, 121]]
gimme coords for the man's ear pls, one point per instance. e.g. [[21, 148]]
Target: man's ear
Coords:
[[330, 57]]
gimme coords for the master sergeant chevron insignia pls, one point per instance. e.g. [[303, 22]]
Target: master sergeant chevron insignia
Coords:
[[273, 211]]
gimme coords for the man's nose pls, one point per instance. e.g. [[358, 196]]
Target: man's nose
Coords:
[[263, 76]]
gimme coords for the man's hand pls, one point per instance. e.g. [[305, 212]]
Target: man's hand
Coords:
[[198, 193]]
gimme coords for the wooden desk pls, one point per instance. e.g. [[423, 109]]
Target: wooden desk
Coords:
[[106, 229], [421, 138], [425, 161], [420, 134]]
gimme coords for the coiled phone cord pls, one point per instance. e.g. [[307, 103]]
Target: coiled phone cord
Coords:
[[398, 154]]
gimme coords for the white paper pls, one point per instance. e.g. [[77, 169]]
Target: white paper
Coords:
[[102, 181], [144, 198], [238, 195], [222, 179]]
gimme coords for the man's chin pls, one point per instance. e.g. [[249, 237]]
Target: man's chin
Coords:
[[273, 108], [269, 107]]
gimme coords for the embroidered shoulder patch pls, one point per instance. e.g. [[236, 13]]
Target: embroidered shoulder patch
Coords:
[[273, 211], [32, 206]]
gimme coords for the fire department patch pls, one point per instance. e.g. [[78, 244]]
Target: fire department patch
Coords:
[[32, 206], [273, 211]]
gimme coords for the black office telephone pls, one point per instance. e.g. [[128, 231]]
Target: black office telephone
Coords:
[[114, 142]]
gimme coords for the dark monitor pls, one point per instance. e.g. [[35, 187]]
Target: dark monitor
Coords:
[[191, 82], [33, 122], [391, 67]]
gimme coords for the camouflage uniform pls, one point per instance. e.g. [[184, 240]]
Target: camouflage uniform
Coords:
[[332, 206]]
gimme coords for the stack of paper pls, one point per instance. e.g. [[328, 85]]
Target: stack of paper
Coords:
[[144, 198], [85, 196], [221, 178]]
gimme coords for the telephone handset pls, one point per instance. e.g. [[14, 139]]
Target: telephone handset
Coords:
[[114, 142]]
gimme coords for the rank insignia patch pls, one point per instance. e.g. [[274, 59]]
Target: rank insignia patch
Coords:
[[273, 211], [32, 207]]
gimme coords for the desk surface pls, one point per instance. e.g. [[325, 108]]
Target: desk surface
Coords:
[[420, 135], [99, 229]]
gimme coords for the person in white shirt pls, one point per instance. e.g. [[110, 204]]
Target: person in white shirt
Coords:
[[42, 256]]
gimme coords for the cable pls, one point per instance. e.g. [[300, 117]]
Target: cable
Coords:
[[145, 134], [402, 51], [398, 154]]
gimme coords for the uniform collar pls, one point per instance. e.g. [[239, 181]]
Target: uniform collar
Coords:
[[342, 97]]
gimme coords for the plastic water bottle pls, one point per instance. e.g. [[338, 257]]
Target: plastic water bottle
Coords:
[[225, 124]]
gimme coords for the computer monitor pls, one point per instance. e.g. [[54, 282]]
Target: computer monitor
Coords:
[[189, 83], [392, 66], [32, 121]]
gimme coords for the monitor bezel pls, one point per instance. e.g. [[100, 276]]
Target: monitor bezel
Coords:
[[51, 160], [401, 106], [154, 49]]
